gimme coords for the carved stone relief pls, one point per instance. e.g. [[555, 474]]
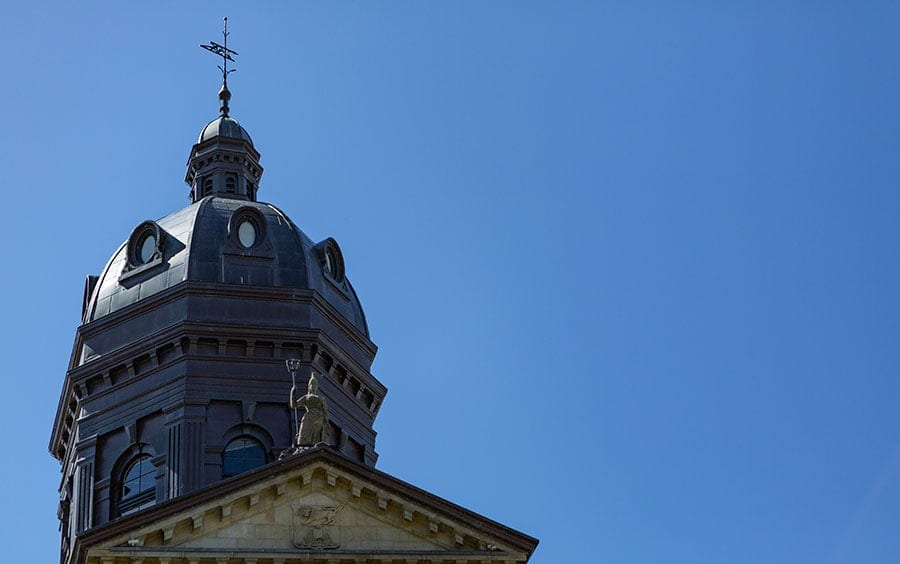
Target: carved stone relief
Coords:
[[315, 526]]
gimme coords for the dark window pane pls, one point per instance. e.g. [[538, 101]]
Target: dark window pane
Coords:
[[240, 455], [138, 478], [138, 488]]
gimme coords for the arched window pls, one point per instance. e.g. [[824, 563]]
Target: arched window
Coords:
[[137, 488], [242, 454], [230, 183], [207, 186]]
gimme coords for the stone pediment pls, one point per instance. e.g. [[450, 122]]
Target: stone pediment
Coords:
[[300, 519], [320, 507]]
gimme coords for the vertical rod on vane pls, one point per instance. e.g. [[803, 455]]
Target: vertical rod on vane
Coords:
[[225, 45]]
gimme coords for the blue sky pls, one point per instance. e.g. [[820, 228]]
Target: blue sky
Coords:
[[632, 266]]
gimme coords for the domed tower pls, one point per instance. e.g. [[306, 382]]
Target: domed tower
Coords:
[[177, 379], [174, 428]]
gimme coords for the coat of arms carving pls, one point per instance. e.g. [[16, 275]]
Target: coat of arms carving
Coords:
[[315, 526]]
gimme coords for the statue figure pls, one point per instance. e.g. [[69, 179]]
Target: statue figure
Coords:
[[314, 424]]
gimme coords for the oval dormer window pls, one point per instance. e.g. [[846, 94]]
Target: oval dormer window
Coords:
[[330, 262], [148, 247], [247, 233]]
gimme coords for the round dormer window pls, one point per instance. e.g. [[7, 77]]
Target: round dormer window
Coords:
[[145, 245], [247, 233], [247, 228], [331, 259]]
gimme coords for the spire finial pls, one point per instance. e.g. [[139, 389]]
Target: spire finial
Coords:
[[226, 54]]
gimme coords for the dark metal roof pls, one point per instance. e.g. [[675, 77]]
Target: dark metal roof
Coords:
[[226, 127], [200, 243]]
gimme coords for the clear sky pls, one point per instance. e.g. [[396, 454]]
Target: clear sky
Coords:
[[632, 267]]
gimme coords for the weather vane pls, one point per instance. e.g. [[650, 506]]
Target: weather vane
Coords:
[[226, 54]]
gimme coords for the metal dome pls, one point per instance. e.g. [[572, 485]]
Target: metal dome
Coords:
[[223, 241], [226, 127]]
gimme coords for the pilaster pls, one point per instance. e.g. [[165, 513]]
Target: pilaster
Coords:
[[184, 456], [83, 501]]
